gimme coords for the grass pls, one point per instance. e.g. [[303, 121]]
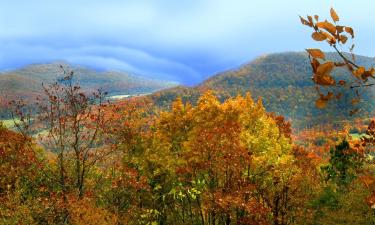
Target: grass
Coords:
[[9, 123], [357, 136]]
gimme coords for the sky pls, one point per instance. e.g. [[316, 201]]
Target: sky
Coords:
[[182, 40]]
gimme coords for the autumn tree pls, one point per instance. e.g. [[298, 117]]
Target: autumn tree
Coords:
[[70, 123], [222, 163]]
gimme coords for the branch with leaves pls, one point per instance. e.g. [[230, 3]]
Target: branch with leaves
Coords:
[[336, 36]]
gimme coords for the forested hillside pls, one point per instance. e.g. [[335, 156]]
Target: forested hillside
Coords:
[[283, 81], [27, 82]]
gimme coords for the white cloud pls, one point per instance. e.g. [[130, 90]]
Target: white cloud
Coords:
[[181, 39], [99, 57]]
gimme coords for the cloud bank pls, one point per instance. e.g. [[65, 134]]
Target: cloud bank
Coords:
[[184, 41]]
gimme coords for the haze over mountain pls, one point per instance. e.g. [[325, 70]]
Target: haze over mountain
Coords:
[[27, 82], [283, 81]]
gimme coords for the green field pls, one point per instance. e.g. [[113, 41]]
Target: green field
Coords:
[[357, 136], [9, 123]]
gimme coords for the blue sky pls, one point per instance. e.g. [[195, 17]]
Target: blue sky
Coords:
[[184, 41]]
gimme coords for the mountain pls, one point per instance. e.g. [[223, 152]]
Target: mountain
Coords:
[[26, 82], [283, 81]]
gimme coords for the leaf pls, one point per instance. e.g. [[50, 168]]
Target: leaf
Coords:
[[316, 18], [355, 101], [325, 68], [330, 38], [350, 31], [305, 22], [327, 26], [310, 19], [323, 100], [366, 74], [325, 80], [318, 36], [320, 103], [316, 53], [327, 97], [368, 180], [358, 72], [339, 29], [342, 82], [352, 112], [315, 64], [343, 38], [334, 15]]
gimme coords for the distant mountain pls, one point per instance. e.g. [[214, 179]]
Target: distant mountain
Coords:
[[27, 82], [284, 82]]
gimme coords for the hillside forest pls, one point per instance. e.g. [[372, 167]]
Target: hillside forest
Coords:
[[256, 145]]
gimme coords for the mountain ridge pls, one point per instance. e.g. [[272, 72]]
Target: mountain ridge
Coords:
[[89, 78], [26, 82], [283, 81]]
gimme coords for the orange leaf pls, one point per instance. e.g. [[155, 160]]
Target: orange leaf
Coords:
[[342, 82], [327, 26], [326, 97], [310, 19], [330, 38], [339, 28], [325, 68], [334, 15], [317, 36], [343, 38], [320, 103], [315, 64], [355, 101], [350, 31], [358, 72], [367, 180], [305, 22], [325, 80], [316, 53]]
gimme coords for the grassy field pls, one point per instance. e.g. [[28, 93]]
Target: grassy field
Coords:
[[8, 123], [357, 136]]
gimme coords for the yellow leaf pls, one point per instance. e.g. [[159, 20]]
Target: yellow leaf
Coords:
[[316, 53], [334, 15], [317, 36]]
